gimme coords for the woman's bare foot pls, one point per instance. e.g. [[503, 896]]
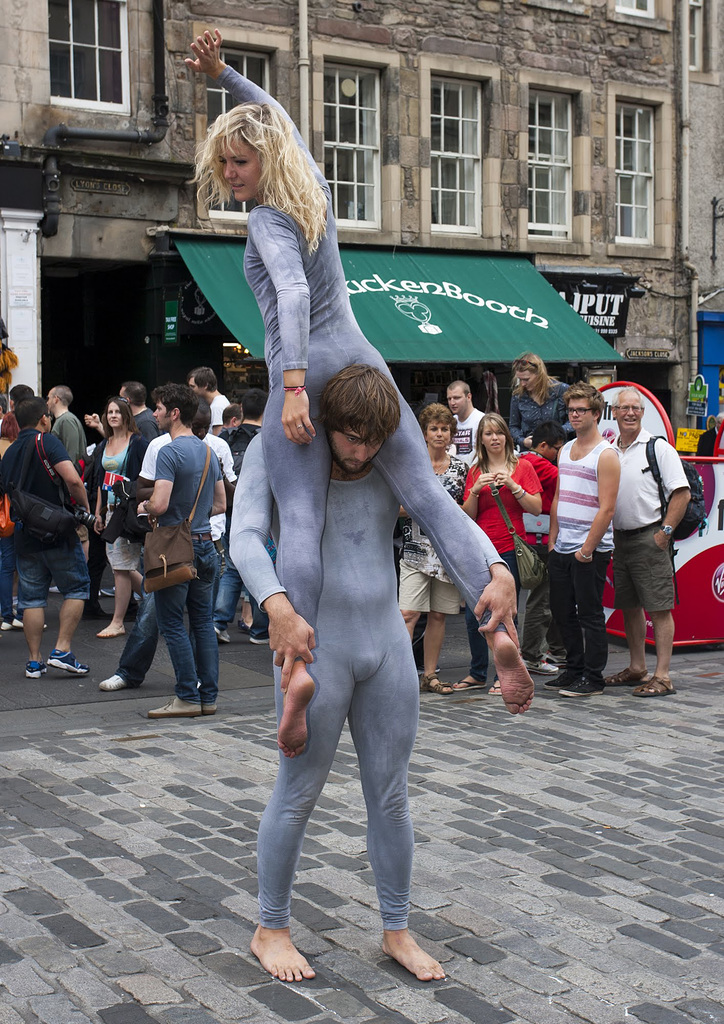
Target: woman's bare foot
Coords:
[[515, 683], [278, 955], [292, 735], [401, 946]]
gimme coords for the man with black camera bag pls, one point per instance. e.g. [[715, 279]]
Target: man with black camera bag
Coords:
[[38, 474]]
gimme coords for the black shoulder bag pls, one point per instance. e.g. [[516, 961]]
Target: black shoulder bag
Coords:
[[48, 523]]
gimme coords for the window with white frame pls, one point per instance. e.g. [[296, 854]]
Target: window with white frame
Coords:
[[88, 41], [646, 8], [634, 173], [549, 165], [352, 143], [255, 67], [455, 155], [696, 35]]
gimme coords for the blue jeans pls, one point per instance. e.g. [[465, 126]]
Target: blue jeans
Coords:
[[140, 649], [197, 680], [478, 643], [227, 598], [7, 575]]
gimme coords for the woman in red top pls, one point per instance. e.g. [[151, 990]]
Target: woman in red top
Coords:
[[520, 491]]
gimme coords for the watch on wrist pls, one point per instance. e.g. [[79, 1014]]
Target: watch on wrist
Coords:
[[668, 530]]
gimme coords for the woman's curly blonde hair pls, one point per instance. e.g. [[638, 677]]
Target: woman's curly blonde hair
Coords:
[[287, 181]]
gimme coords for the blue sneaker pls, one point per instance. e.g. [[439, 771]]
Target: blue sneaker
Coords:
[[66, 661], [35, 669]]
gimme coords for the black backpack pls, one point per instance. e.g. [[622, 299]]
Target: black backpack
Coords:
[[695, 516], [240, 440]]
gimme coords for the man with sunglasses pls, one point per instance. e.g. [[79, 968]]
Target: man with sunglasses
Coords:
[[581, 541]]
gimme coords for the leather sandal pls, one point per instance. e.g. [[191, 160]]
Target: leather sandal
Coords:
[[656, 686], [431, 684], [626, 677]]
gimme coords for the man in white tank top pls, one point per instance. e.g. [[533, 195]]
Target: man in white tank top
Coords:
[[580, 543]]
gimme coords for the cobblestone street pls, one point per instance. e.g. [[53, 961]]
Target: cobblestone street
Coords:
[[568, 863]]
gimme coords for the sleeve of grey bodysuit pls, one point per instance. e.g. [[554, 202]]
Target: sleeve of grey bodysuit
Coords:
[[278, 241], [251, 522]]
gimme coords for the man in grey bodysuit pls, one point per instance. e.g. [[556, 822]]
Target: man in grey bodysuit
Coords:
[[363, 670]]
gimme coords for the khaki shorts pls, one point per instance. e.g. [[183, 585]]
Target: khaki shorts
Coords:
[[421, 593], [642, 573]]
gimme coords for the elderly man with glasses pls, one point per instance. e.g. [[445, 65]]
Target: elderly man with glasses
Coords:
[[580, 543], [642, 567]]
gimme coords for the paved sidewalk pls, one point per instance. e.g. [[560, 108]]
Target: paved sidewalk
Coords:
[[568, 863]]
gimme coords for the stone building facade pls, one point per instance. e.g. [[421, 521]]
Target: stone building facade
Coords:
[[549, 128]]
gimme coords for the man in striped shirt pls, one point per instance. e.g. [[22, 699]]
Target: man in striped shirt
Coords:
[[581, 541]]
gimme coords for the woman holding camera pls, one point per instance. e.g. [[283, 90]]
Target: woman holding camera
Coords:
[[121, 455]]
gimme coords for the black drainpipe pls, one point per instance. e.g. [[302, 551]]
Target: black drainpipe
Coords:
[[60, 133]]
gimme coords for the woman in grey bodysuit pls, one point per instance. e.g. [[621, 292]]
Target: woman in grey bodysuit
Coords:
[[293, 266]]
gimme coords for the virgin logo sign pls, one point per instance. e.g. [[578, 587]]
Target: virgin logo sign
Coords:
[[717, 583]]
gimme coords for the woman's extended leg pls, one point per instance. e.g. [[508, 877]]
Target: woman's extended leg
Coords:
[[461, 545]]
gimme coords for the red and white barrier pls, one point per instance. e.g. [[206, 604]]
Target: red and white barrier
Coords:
[[699, 615]]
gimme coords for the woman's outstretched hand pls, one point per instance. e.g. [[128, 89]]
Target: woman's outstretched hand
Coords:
[[295, 418], [206, 50]]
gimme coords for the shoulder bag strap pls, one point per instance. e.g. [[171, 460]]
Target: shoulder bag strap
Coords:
[[29, 449], [203, 480], [503, 511]]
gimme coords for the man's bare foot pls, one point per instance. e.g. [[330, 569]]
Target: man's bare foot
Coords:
[[515, 683], [401, 946], [278, 955], [292, 735]]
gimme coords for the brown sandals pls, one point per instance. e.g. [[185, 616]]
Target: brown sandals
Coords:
[[626, 677], [431, 684], [656, 686]]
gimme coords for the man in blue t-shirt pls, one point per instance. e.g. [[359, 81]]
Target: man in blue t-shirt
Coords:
[[179, 473], [41, 564]]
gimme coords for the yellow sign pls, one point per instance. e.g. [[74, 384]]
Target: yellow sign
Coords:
[[687, 439]]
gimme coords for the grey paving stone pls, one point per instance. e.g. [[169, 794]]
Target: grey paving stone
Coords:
[[312, 917], [659, 940], [32, 902], [283, 1000], [471, 1006], [72, 932], [187, 1015], [233, 969], [575, 885], [651, 1013], [432, 927], [160, 920], [195, 943], [8, 955], [703, 1010], [125, 1013], [319, 895], [78, 867], [479, 951]]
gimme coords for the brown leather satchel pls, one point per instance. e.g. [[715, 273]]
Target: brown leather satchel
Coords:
[[168, 551]]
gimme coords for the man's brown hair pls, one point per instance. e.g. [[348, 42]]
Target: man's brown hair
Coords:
[[360, 400], [587, 393]]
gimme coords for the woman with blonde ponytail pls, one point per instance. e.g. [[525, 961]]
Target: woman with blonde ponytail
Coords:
[[293, 266]]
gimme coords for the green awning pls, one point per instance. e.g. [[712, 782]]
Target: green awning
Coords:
[[421, 307]]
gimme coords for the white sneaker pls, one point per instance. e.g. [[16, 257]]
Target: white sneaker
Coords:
[[114, 682], [542, 668], [15, 624]]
